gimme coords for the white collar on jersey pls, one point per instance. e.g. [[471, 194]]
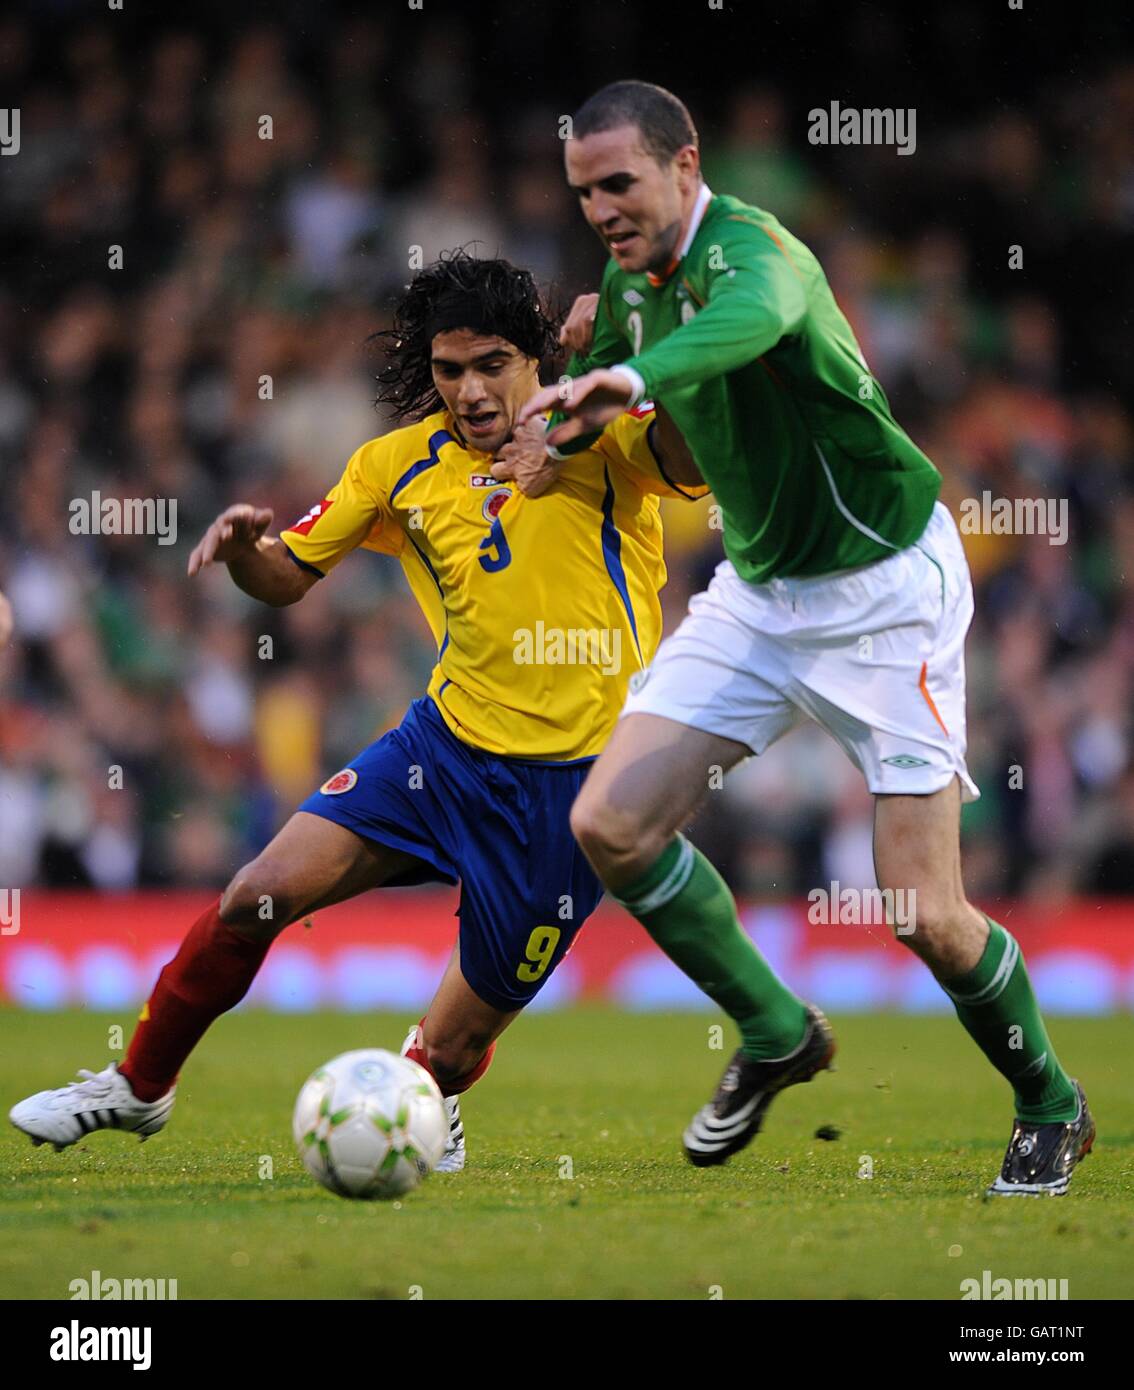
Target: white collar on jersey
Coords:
[[704, 198]]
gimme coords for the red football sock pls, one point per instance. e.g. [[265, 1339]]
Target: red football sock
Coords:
[[210, 974], [416, 1053]]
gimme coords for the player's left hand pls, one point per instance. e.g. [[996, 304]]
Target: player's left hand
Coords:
[[525, 461], [591, 402], [6, 619]]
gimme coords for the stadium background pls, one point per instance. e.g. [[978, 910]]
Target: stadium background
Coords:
[[438, 127]]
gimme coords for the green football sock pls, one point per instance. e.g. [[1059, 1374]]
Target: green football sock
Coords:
[[995, 1003], [687, 908]]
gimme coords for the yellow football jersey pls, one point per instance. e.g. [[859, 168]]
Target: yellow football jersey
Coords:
[[542, 608]]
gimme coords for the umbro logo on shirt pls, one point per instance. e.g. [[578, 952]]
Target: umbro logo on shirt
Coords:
[[633, 297]]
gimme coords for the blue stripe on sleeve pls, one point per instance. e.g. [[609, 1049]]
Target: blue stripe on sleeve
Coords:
[[303, 565]]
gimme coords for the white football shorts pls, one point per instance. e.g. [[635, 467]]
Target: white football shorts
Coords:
[[875, 655]]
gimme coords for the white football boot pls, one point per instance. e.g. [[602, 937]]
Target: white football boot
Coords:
[[453, 1159], [102, 1100]]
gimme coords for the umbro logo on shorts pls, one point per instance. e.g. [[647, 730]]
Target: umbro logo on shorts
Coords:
[[905, 760], [637, 681]]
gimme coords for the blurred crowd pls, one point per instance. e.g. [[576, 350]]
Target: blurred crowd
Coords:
[[157, 730]]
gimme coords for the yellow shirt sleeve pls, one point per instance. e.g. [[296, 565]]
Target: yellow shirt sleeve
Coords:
[[628, 443], [356, 512]]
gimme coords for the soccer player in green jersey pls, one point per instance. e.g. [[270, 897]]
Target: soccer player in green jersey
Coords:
[[845, 598]]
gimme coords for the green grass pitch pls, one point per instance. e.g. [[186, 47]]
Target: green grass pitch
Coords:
[[600, 1094]]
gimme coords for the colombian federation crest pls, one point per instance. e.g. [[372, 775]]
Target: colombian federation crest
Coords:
[[340, 782], [494, 502]]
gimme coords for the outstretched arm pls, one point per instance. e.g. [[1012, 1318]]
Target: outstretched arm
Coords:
[[259, 564]]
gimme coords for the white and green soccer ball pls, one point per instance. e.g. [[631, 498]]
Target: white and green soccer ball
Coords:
[[370, 1124]]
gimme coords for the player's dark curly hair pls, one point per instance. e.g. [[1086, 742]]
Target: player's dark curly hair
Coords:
[[493, 295]]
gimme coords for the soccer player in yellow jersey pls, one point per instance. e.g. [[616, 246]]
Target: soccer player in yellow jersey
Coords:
[[542, 611]]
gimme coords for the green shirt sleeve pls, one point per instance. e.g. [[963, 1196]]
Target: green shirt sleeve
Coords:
[[608, 347], [752, 296]]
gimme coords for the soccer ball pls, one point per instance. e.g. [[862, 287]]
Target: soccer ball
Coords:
[[370, 1124]]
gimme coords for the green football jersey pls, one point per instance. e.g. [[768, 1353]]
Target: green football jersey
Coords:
[[746, 348]]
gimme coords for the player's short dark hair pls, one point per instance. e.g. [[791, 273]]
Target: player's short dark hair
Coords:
[[663, 120], [458, 291]]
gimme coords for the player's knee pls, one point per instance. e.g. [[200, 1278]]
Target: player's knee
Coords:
[[255, 904], [929, 922], [610, 838]]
